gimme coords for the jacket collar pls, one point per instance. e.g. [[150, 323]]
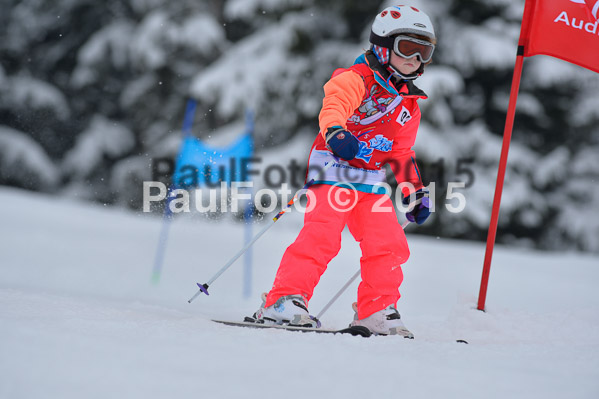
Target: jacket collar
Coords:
[[390, 83]]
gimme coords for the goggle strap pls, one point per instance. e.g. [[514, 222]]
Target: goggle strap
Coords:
[[387, 42]]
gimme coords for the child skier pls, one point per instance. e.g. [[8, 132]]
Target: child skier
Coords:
[[369, 118]]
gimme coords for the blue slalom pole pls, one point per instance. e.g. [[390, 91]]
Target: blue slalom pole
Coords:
[[247, 270], [161, 248], [247, 218], [167, 217]]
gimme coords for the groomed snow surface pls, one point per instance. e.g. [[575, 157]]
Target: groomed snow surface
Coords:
[[80, 317]]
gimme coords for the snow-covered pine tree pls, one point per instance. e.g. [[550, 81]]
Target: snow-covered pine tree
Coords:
[[552, 167], [101, 87]]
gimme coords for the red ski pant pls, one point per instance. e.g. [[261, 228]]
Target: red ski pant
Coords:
[[373, 223]]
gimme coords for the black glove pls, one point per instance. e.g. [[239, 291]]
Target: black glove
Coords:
[[342, 143]]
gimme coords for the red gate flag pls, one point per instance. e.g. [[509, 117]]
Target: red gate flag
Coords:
[[565, 29]]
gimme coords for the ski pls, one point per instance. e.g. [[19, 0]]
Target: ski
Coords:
[[352, 330], [359, 331]]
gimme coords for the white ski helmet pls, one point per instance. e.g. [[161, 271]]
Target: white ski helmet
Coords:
[[400, 19]]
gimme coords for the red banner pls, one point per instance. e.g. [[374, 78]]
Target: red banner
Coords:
[[565, 29]]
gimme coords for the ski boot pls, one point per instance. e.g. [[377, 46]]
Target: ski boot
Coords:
[[289, 310], [384, 322]]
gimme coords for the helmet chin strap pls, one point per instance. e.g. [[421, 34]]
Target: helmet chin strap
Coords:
[[383, 56], [395, 71]]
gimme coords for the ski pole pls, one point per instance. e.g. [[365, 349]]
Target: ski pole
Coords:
[[346, 285], [338, 294], [204, 287]]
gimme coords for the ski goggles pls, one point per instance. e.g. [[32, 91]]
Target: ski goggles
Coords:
[[408, 47]]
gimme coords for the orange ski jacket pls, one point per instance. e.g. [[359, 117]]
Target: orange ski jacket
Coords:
[[382, 113]]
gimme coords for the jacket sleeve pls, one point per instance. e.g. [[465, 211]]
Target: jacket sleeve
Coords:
[[402, 158], [342, 95]]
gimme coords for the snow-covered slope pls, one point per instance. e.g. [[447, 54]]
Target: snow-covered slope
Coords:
[[80, 318]]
